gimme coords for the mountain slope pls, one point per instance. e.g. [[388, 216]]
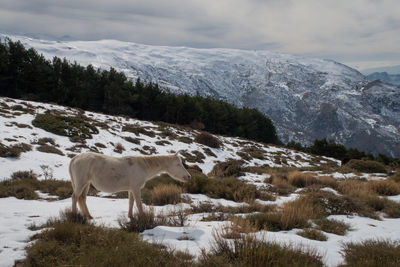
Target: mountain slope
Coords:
[[305, 98], [385, 77]]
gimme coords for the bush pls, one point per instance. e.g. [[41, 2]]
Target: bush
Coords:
[[140, 222], [294, 214], [72, 244], [164, 194], [208, 139], [332, 226], [23, 185], [65, 126], [227, 188], [372, 253], [384, 187], [119, 148], [281, 186], [313, 234], [368, 166], [226, 169], [301, 179], [50, 149], [14, 151], [248, 250]]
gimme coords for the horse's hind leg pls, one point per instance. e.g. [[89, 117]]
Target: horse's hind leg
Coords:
[[75, 197], [82, 201], [131, 201]]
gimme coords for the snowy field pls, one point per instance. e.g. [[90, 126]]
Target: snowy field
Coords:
[[16, 215]]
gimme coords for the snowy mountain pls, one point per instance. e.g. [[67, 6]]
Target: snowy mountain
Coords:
[[306, 98], [385, 77]]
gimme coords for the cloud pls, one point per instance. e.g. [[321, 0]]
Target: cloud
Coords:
[[312, 27]]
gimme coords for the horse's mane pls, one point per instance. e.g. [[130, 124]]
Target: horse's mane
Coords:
[[155, 161]]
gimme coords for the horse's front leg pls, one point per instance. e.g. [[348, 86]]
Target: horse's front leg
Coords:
[[138, 198], [131, 201]]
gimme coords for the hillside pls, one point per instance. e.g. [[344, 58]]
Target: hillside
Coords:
[[385, 77], [267, 181], [306, 98]]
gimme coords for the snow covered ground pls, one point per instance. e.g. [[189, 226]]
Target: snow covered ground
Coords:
[[17, 215]]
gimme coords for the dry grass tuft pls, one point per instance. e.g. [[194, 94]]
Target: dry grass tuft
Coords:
[[119, 148], [367, 166], [247, 250], [281, 186], [226, 169], [384, 187], [140, 222], [313, 234], [164, 194], [332, 226], [372, 253], [301, 179]]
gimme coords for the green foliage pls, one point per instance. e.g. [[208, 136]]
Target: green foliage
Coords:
[[25, 73], [65, 126]]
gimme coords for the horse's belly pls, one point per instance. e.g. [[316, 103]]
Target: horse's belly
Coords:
[[110, 185]]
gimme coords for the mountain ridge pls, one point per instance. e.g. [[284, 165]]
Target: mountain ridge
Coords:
[[305, 98]]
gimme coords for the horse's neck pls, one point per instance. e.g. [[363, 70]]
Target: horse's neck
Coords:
[[156, 165]]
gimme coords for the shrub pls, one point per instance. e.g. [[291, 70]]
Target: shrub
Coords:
[[65, 126], [49, 149], [140, 222], [313, 234], [23, 185], [372, 253], [136, 129], [119, 148], [14, 151], [301, 179], [281, 186], [226, 169], [165, 194], [100, 145], [395, 177], [248, 250], [384, 187], [294, 214], [71, 244], [352, 187], [254, 152], [227, 188], [132, 140], [208, 139], [368, 166], [332, 226]]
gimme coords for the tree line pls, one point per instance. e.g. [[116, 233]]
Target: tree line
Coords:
[[329, 148], [24, 73]]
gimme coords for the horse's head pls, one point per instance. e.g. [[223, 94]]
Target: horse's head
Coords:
[[176, 169]]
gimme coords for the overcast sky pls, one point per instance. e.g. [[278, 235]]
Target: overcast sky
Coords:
[[361, 33]]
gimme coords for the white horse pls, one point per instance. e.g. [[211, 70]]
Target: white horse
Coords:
[[111, 174]]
